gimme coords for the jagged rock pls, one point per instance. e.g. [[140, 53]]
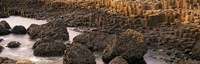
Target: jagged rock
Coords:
[[3, 15], [118, 60], [48, 47], [130, 45], [24, 62], [78, 54], [4, 60], [196, 51], [56, 30], [1, 48], [19, 30], [4, 25], [13, 44], [94, 41]]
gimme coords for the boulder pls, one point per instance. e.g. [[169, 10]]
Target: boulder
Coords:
[[118, 60], [48, 48], [196, 51], [56, 30], [1, 48], [4, 32], [94, 41], [78, 54], [24, 62], [130, 45], [19, 30], [4, 60], [1, 39], [4, 25], [13, 44], [3, 15]]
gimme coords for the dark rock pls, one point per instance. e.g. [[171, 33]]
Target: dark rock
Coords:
[[1, 39], [13, 44], [4, 32], [4, 25], [48, 47], [4, 60], [56, 30], [130, 45], [118, 60], [94, 41], [1, 48], [19, 30], [3, 15], [78, 54], [196, 51]]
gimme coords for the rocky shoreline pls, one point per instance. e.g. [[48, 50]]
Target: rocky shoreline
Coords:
[[174, 39]]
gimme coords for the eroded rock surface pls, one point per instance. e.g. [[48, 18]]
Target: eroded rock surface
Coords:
[[94, 41], [78, 54], [118, 60], [130, 45], [56, 30], [48, 47]]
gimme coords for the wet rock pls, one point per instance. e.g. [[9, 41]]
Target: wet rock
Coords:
[[13, 44], [4, 60], [24, 62], [196, 51], [3, 15], [78, 54], [1, 48], [118, 60], [4, 32], [56, 30], [19, 30], [130, 45], [94, 41], [1, 39], [48, 47], [4, 25]]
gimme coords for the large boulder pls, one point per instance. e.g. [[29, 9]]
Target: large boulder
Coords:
[[94, 41], [196, 51], [4, 28], [130, 45], [118, 60], [4, 25], [19, 30], [78, 54], [56, 30], [13, 44], [48, 48], [3, 15], [4, 32]]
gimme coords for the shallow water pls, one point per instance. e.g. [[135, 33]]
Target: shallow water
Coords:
[[25, 52]]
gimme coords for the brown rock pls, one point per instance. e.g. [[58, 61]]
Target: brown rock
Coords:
[[78, 54], [130, 45], [118, 60]]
